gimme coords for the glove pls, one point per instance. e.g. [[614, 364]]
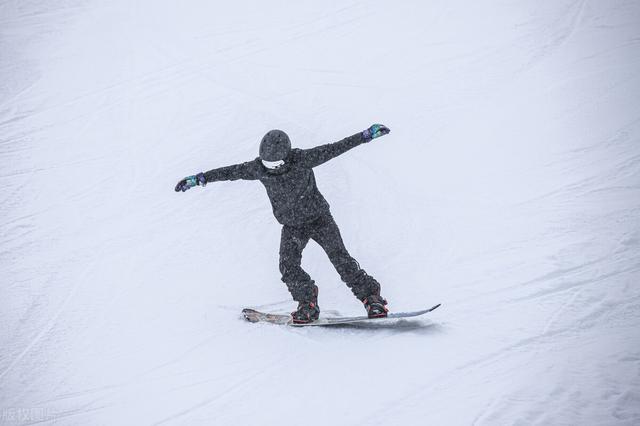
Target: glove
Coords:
[[375, 131], [191, 181]]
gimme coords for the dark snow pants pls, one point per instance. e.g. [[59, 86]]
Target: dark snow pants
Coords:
[[325, 232]]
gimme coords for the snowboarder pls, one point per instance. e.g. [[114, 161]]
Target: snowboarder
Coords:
[[287, 175]]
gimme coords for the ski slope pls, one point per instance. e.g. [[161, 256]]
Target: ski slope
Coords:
[[508, 190]]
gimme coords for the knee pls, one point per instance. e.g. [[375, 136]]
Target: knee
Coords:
[[340, 256], [283, 269], [344, 263], [289, 267], [288, 262]]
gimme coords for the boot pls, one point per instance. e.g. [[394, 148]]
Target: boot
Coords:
[[307, 312], [375, 306]]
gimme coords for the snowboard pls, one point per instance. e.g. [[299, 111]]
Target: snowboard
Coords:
[[252, 315]]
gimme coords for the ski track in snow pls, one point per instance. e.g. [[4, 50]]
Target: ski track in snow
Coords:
[[508, 190]]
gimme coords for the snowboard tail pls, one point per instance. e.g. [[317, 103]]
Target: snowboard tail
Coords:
[[253, 315]]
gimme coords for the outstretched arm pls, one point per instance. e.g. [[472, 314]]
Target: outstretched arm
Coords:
[[246, 171], [321, 154]]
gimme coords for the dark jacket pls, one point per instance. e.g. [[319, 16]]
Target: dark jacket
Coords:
[[292, 189]]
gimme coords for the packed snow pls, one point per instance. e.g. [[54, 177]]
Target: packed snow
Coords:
[[508, 190]]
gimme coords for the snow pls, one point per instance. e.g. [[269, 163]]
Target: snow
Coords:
[[508, 190]]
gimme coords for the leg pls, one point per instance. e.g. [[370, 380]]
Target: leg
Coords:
[[299, 283], [327, 234]]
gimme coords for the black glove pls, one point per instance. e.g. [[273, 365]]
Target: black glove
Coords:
[[375, 131], [191, 181]]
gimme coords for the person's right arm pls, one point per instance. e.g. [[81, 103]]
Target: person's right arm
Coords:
[[245, 171]]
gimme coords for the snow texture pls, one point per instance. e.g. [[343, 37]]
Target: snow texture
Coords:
[[508, 190]]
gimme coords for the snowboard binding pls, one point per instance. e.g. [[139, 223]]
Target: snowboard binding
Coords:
[[375, 306], [307, 312]]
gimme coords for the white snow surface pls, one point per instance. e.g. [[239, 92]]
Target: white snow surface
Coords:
[[508, 190]]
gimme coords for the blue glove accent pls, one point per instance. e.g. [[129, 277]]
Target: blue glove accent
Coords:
[[190, 182], [375, 131]]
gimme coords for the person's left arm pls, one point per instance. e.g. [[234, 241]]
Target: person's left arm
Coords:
[[321, 154]]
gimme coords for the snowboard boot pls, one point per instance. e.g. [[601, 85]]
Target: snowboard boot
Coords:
[[375, 306], [307, 312]]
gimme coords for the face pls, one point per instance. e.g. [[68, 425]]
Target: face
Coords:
[[273, 165]]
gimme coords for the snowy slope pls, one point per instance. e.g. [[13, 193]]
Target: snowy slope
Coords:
[[508, 190]]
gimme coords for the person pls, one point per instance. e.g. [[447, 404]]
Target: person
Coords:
[[287, 175]]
